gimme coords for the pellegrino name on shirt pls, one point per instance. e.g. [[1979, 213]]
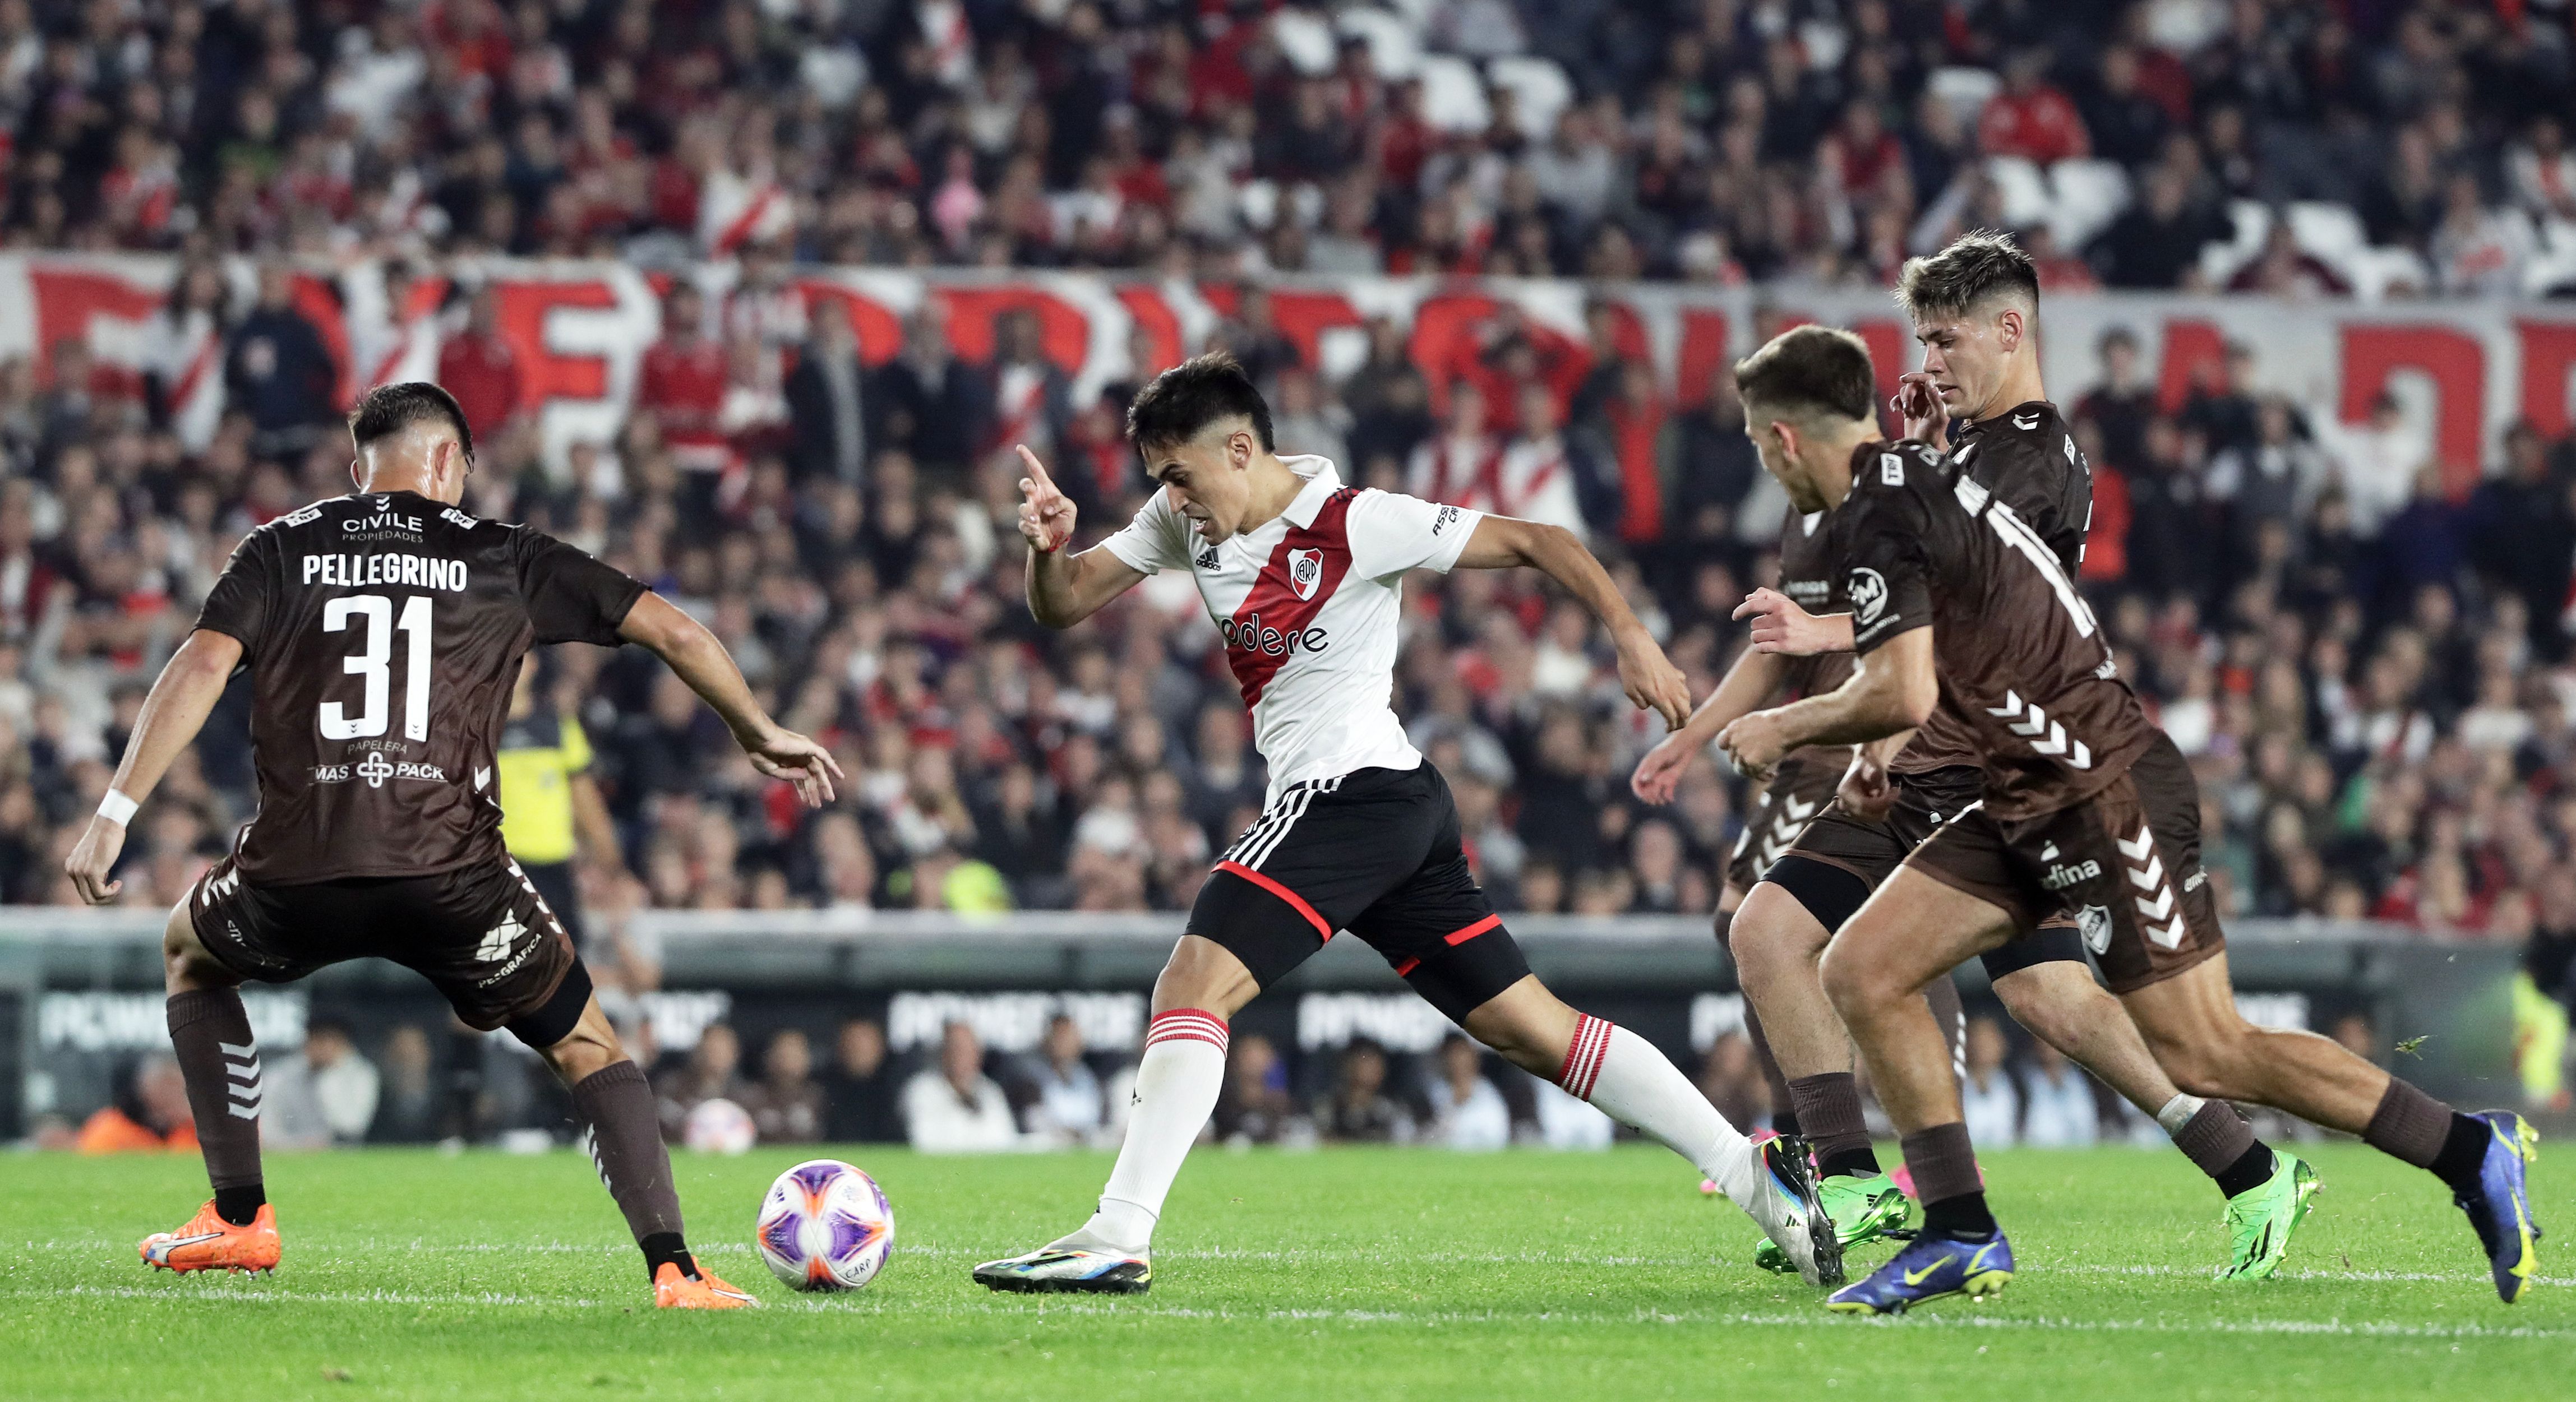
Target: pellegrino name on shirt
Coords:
[[417, 571]]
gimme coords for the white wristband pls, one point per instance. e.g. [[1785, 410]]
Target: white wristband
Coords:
[[116, 808]]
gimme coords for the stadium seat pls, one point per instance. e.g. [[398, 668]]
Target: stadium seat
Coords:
[[2331, 233], [1306, 41], [1542, 87], [2221, 261], [2090, 194], [1453, 96], [1965, 91], [2024, 188], [2378, 271], [1395, 47]]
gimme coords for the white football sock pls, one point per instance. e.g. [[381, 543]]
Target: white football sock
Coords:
[[1625, 1078], [1177, 1082]]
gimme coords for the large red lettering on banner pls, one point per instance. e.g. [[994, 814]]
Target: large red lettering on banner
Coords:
[[2195, 355], [1162, 329], [548, 374], [2548, 363], [69, 299], [1702, 354], [1304, 317], [1063, 331], [879, 332], [2455, 363]]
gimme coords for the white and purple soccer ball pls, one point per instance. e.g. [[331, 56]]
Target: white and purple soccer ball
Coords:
[[825, 1226]]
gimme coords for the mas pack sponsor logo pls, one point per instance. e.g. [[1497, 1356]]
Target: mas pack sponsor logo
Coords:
[[376, 769], [1868, 590]]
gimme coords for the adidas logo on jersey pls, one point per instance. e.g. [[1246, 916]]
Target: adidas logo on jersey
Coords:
[[500, 940], [1209, 562]]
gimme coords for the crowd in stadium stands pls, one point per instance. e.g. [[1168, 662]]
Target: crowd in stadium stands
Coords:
[[2372, 677], [2421, 144]]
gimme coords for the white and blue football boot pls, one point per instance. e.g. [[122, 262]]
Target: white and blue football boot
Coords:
[[1071, 1266]]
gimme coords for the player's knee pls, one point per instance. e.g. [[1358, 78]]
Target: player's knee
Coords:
[[2054, 1008], [185, 964], [1205, 975], [1855, 985]]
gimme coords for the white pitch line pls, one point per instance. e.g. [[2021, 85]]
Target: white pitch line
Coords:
[[1327, 1255]]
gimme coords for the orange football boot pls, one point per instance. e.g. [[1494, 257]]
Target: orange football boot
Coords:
[[703, 1291], [209, 1243]]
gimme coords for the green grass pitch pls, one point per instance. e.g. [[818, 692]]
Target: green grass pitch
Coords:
[[1339, 1274]]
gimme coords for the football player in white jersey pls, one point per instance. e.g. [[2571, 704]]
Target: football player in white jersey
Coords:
[[1304, 578]]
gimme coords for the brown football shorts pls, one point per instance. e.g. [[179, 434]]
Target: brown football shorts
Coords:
[[480, 932], [1801, 789], [2124, 865]]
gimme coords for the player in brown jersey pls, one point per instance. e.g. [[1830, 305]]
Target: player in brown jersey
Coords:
[[1961, 301], [1800, 790], [383, 632], [2085, 806]]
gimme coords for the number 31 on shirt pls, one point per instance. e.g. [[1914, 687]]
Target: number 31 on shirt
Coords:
[[378, 612]]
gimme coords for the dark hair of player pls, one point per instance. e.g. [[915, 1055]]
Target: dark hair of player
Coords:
[[1808, 370], [389, 409], [1184, 400], [1976, 267]]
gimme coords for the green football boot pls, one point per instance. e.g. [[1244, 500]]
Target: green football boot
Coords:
[[1863, 1209], [2261, 1219]]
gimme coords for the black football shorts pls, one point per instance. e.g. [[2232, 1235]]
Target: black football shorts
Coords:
[[1375, 852], [480, 932]]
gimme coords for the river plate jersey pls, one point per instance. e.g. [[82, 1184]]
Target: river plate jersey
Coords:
[[1310, 606], [2021, 658], [383, 633], [2026, 457]]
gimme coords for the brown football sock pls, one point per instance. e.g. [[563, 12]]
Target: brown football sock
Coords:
[[211, 1035], [615, 1105]]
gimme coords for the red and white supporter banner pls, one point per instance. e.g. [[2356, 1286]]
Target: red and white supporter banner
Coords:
[[2461, 370]]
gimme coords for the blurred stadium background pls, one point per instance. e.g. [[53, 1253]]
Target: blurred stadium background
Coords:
[[752, 299]]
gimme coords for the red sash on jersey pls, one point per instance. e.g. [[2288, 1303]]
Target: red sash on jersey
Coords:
[[733, 235], [1487, 476]]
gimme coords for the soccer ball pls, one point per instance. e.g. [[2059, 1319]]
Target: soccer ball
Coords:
[[825, 1226]]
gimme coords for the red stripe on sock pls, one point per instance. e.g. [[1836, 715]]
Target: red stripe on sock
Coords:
[[1295, 902], [1584, 1059], [1407, 967], [1570, 1074], [1195, 1024], [1480, 927]]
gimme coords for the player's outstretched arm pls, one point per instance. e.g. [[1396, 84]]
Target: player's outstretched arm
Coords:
[[702, 662], [1747, 684], [1653, 683], [1063, 590], [1781, 626], [176, 709], [1894, 689]]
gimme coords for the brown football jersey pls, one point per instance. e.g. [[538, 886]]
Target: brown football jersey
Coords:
[[2026, 457], [1807, 575], [2021, 658], [383, 633]]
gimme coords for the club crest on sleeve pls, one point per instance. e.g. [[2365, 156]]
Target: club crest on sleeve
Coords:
[[1305, 571], [1868, 590]]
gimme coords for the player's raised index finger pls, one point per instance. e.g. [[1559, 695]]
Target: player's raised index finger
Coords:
[[1759, 601], [1037, 470]]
